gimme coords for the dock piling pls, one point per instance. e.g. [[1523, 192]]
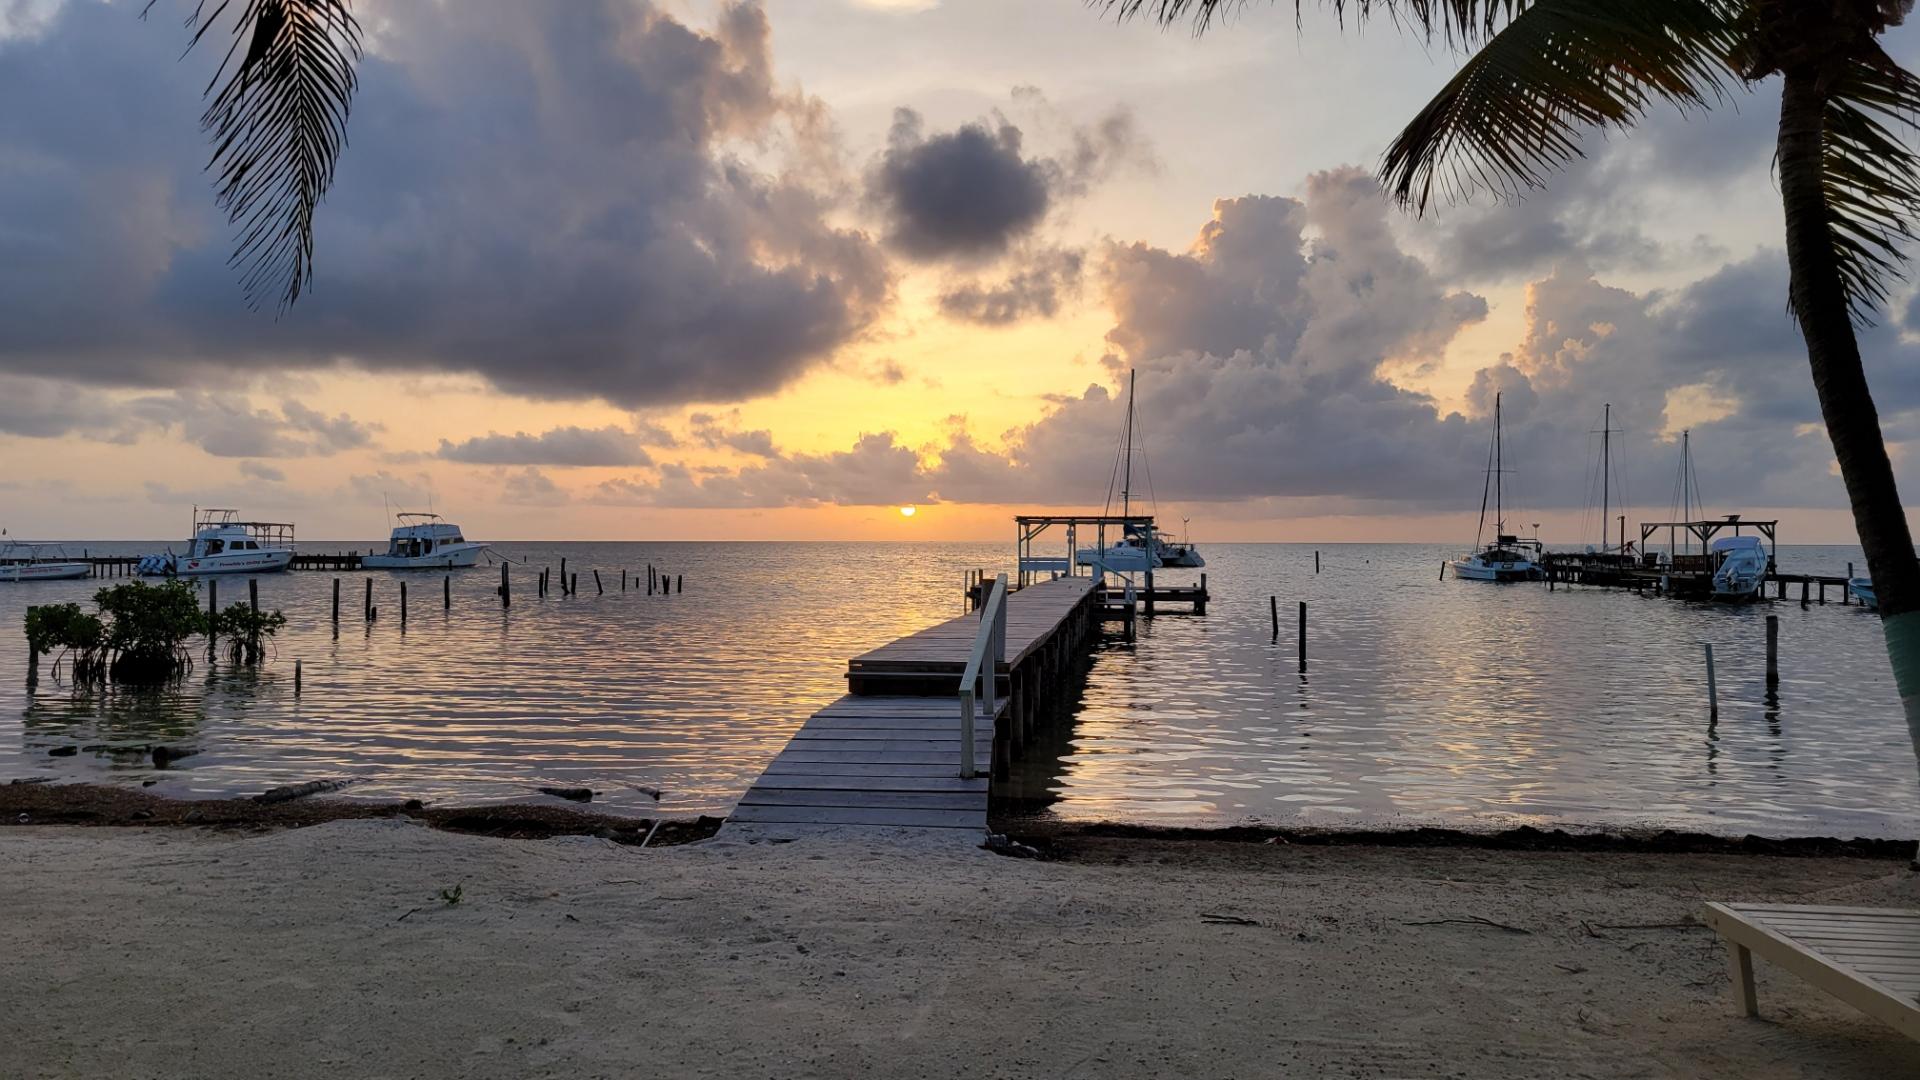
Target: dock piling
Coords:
[[598, 589], [336, 603], [1273, 608], [679, 583], [623, 579], [564, 591], [403, 605], [367, 605], [1316, 561], [213, 608], [1713, 688], [1773, 650], [506, 588], [296, 676], [573, 584], [1443, 571], [1303, 637], [1804, 587], [446, 593]]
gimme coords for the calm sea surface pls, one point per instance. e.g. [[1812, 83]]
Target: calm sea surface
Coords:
[[1425, 701]]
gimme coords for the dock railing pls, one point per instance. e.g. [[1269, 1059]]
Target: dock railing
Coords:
[[989, 652]]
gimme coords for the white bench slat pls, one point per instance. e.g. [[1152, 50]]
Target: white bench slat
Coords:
[[1879, 985]]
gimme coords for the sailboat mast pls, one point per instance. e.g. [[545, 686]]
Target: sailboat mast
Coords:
[[1499, 467], [1606, 472], [1126, 484], [1686, 475]]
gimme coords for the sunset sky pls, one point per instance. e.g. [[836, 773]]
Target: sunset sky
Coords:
[[613, 269]]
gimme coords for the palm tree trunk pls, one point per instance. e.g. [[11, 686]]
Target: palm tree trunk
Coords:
[[1820, 304]]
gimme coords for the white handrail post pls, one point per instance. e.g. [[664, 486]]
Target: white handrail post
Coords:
[[968, 768]]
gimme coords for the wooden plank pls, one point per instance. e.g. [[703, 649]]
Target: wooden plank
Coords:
[[880, 815], [1900, 915], [873, 757], [762, 795], [939, 749], [793, 781], [844, 768], [1844, 981]]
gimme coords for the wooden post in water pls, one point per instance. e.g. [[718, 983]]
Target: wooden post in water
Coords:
[[1303, 637], [446, 593], [1273, 608], [253, 594], [679, 583], [1713, 688], [506, 588], [366, 606], [573, 584], [1200, 602], [1316, 561], [213, 606], [649, 579], [598, 589], [564, 591], [336, 602], [403, 604], [1823, 591], [1443, 570], [296, 676], [1803, 592], [1149, 574], [1773, 650], [33, 655], [623, 579]]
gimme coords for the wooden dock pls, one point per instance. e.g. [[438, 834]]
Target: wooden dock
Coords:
[[888, 754]]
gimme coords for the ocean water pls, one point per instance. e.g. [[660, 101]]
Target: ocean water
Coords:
[[1425, 701]]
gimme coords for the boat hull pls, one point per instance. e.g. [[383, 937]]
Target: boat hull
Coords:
[[451, 560], [53, 571], [1862, 590], [243, 562], [1474, 570]]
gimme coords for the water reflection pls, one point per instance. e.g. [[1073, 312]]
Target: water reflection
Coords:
[[1450, 702]]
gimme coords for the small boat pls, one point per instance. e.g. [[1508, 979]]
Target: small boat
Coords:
[[1862, 590], [223, 544], [1509, 557], [425, 542], [1739, 568], [21, 561], [1130, 553]]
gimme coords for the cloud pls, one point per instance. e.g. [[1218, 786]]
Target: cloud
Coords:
[[552, 197], [971, 193], [530, 487], [47, 409], [560, 446], [1035, 289], [228, 425], [257, 470]]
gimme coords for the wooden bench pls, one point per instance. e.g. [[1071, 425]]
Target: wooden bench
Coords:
[[1866, 957]]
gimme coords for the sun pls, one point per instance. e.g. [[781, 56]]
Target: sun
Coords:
[[908, 511]]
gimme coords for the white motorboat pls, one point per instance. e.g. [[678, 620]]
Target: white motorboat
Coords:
[[223, 544], [1130, 552], [1509, 557], [1739, 568], [1862, 590], [21, 562], [425, 542]]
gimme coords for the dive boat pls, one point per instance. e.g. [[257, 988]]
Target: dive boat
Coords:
[[1739, 568], [21, 561], [223, 544], [425, 542], [1131, 552], [1509, 557]]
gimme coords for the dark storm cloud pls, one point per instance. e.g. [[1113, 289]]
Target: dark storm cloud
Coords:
[[1035, 289], [540, 194], [971, 193], [561, 446]]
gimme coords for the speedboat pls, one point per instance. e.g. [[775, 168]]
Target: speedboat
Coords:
[[1739, 568], [1130, 553], [425, 542], [223, 544], [1508, 558], [21, 561], [1862, 590]]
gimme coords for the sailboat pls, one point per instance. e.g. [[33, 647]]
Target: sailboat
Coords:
[[1508, 558], [1131, 551]]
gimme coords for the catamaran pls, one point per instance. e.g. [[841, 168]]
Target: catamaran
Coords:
[[425, 542], [1739, 568], [1508, 558], [21, 561], [223, 544], [1131, 552]]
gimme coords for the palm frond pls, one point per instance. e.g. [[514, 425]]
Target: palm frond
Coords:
[[1462, 23], [1517, 108], [278, 125], [1871, 175]]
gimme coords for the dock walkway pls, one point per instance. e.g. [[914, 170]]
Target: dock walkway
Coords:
[[888, 754]]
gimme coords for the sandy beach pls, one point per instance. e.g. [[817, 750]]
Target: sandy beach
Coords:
[[331, 951]]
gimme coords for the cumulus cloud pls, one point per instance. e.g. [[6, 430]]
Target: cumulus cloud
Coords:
[[228, 425], [259, 470], [560, 446], [544, 195], [971, 193], [531, 487], [1035, 289]]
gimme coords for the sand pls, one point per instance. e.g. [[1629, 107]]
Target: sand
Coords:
[[327, 951]]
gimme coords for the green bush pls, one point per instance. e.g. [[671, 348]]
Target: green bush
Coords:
[[245, 631]]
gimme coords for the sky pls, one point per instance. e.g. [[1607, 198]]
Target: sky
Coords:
[[611, 269]]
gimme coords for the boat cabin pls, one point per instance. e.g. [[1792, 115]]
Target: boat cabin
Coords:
[[217, 531], [419, 535]]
